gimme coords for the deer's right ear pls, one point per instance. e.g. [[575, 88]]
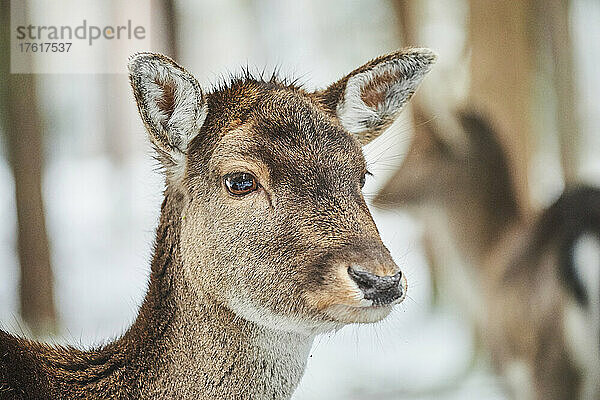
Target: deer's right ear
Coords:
[[368, 100], [170, 103]]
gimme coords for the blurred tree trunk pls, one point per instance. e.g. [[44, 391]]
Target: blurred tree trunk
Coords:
[[171, 26], [409, 16], [554, 29], [22, 126], [407, 12], [502, 54], [119, 143]]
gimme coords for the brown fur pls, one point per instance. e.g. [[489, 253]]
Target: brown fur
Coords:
[[239, 285], [374, 93]]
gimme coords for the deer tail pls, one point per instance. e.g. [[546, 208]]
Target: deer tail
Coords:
[[576, 213]]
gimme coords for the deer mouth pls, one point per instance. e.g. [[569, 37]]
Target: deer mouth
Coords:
[[359, 314], [366, 306], [380, 303], [355, 294]]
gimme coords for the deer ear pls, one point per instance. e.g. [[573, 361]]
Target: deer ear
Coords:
[[367, 100], [171, 105]]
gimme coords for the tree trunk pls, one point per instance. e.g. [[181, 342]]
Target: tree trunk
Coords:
[[554, 29], [117, 92], [22, 127], [407, 12], [502, 55]]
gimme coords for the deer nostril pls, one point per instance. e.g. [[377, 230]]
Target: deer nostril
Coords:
[[381, 289]]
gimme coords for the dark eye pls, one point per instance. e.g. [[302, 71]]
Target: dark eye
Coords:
[[240, 183]]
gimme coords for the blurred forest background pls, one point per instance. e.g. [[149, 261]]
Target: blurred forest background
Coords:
[[79, 195]]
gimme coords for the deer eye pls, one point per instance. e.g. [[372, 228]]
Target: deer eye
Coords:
[[240, 183]]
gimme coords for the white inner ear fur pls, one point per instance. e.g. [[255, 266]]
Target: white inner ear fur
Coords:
[[172, 105], [395, 79], [186, 114]]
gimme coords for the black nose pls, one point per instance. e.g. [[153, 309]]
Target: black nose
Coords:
[[382, 290]]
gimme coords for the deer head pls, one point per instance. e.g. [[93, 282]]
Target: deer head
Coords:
[[446, 166], [267, 177]]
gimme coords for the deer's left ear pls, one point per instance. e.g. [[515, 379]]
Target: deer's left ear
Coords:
[[367, 100]]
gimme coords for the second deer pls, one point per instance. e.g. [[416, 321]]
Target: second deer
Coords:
[[513, 272]]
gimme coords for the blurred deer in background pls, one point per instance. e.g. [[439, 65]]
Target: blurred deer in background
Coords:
[[533, 306], [264, 239]]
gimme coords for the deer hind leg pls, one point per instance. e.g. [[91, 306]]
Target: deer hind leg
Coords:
[[582, 323], [556, 375]]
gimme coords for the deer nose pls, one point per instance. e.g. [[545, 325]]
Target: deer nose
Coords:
[[382, 290]]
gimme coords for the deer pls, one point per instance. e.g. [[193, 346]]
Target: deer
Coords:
[[264, 238], [512, 271]]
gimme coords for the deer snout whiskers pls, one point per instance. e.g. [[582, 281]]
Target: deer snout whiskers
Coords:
[[378, 290]]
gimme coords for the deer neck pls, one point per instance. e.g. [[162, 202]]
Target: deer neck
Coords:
[[210, 353], [478, 215], [182, 348]]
